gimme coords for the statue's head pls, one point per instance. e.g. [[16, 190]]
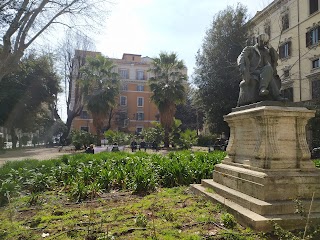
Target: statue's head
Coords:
[[263, 40]]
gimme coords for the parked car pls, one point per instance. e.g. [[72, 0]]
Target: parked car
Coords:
[[315, 153], [7, 145]]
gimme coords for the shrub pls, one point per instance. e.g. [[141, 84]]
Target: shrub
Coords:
[[8, 189], [81, 138], [187, 139], [117, 137], [155, 133], [206, 140], [228, 220]]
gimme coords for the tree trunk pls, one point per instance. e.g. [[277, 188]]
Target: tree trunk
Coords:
[[14, 138], [166, 137], [65, 134]]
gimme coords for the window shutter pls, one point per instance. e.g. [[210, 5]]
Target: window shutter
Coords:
[[318, 33], [142, 116], [289, 48], [308, 38], [314, 6], [281, 51]]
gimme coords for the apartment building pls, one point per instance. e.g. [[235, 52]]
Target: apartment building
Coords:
[[294, 29], [135, 111]]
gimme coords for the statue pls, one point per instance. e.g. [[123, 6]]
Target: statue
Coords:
[[258, 66]]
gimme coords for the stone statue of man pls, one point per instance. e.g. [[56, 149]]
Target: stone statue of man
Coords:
[[257, 65]]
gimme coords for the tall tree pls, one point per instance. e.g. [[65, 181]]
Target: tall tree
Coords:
[[23, 21], [216, 75], [190, 113], [73, 51], [27, 96], [168, 88], [100, 85]]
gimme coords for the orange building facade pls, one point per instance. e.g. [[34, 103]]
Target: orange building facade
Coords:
[[134, 111]]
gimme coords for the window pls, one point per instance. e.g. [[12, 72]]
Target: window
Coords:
[[123, 101], [140, 101], [316, 63], [140, 75], [140, 116], [123, 119], [285, 50], [85, 129], [314, 6], [286, 73], [312, 36], [287, 93], [84, 115], [124, 73], [140, 88], [124, 87], [315, 89], [285, 21]]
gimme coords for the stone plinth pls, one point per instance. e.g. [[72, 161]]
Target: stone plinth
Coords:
[[268, 166]]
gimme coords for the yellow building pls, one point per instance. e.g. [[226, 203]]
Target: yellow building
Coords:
[[135, 111], [294, 29]]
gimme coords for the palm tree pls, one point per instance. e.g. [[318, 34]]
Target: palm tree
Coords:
[[168, 88], [100, 88]]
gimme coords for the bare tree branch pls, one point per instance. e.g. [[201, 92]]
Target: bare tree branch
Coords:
[[26, 20]]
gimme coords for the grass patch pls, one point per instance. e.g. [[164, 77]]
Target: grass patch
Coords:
[[169, 213]]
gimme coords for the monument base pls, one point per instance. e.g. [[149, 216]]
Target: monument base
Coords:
[[268, 170]]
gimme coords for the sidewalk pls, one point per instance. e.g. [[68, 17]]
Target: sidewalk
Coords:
[[31, 153]]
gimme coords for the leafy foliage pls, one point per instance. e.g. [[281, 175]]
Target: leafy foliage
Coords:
[[117, 137], [187, 139], [23, 93], [190, 113], [154, 133], [101, 87], [228, 220], [216, 74], [86, 176], [168, 88], [82, 139]]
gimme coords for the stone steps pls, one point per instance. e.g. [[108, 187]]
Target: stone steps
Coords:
[[233, 201]]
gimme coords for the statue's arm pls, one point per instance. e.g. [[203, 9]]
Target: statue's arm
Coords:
[[274, 59], [244, 63]]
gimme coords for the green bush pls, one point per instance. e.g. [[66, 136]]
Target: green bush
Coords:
[[117, 137], [206, 140], [228, 220], [187, 139], [155, 133], [81, 139]]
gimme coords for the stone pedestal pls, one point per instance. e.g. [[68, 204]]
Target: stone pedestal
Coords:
[[268, 166]]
